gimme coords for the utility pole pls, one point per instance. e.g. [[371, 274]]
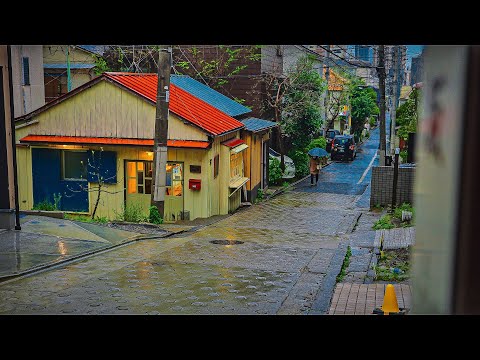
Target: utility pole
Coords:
[[327, 76], [161, 129], [69, 79], [393, 114], [381, 85]]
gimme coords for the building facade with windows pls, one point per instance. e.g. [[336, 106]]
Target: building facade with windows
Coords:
[[114, 115]]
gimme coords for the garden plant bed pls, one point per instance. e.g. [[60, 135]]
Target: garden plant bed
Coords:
[[393, 265]]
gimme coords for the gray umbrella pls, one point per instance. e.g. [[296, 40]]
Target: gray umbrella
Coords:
[[318, 152]]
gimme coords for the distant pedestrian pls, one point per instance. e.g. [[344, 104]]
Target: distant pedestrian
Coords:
[[314, 169]]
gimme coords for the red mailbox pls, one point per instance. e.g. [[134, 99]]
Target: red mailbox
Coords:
[[194, 184]]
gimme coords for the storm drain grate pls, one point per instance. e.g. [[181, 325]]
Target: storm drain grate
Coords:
[[226, 242]]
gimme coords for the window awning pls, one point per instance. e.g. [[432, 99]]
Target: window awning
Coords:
[[239, 148], [53, 139], [237, 182]]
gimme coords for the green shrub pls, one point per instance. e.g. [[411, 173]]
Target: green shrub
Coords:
[[56, 201], [274, 171], [372, 122], [403, 155], [321, 142], [131, 213], [101, 219], [385, 222], [154, 216], [285, 184], [404, 207], [44, 205], [301, 161], [260, 194]]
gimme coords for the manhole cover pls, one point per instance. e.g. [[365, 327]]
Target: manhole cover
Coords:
[[226, 242]]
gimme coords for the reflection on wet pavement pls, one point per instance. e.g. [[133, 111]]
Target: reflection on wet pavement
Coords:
[[288, 245], [45, 241]]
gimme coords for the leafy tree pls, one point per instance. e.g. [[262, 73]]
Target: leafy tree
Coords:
[[215, 65], [294, 99], [321, 142], [302, 162], [407, 115], [363, 102]]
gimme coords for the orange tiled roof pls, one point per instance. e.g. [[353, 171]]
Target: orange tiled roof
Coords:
[[181, 102]]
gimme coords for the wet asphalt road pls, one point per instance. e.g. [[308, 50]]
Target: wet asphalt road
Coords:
[[289, 252]]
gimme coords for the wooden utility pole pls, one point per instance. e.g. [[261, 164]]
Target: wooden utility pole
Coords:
[[381, 85], [161, 129]]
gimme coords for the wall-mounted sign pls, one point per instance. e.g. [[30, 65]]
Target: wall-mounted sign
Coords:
[[196, 169]]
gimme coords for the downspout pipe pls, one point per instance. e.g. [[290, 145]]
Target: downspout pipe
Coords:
[[14, 150]]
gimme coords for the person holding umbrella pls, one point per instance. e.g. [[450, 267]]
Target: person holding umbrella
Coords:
[[314, 169], [315, 155]]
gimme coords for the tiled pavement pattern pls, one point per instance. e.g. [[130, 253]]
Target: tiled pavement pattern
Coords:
[[361, 299], [288, 243], [395, 238]]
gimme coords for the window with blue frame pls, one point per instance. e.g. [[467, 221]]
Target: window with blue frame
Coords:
[[74, 165]]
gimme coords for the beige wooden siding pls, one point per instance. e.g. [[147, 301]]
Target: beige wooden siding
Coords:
[[105, 110], [24, 176], [53, 54]]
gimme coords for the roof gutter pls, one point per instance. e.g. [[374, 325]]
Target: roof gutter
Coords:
[[14, 150]]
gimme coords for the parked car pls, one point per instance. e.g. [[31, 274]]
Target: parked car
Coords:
[[344, 147], [289, 164], [331, 134]]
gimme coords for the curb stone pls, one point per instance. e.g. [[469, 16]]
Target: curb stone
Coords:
[[323, 298]]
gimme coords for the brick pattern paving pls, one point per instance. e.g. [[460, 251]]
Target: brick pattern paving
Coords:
[[398, 238], [361, 299]]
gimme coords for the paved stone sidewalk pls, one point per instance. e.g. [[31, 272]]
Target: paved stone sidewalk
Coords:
[[398, 238], [361, 299]]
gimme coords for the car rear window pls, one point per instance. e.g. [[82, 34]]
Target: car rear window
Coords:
[[331, 134], [340, 141]]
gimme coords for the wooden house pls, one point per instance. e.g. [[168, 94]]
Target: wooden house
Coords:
[[256, 133], [256, 157], [114, 115], [56, 60]]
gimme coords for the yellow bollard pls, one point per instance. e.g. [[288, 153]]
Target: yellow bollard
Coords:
[[390, 304]]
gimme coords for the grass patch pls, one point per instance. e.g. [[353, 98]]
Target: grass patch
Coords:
[[44, 205], [393, 265], [86, 218], [385, 222], [132, 213], [394, 219], [346, 263]]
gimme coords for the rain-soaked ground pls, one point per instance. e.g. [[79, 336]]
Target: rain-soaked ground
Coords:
[[284, 259]]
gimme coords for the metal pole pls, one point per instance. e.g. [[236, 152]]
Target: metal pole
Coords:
[[14, 147], [161, 129], [395, 179], [69, 79]]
